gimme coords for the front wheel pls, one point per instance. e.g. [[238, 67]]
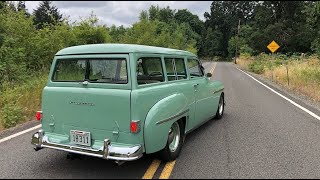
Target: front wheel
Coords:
[[220, 110], [174, 142]]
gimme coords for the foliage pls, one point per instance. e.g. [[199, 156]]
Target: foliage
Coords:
[[257, 67], [46, 13], [28, 42], [293, 25], [11, 115]]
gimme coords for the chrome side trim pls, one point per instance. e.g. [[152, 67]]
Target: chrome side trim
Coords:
[[107, 151], [218, 90], [172, 117]]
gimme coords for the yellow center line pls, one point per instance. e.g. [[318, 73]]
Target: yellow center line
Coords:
[[152, 169], [167, 170], [214, 66]]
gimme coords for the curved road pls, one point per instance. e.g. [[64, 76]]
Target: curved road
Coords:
[[261, 135]]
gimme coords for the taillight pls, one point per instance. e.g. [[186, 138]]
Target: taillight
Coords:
[[135, 126], [39, 115]]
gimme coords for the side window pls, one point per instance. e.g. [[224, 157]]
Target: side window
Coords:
[[194, 68], [149, 70], [181, 69], [169, 62], [175, 69]]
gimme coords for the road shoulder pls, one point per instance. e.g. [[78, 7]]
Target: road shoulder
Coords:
[[18, 128], [301, 99]]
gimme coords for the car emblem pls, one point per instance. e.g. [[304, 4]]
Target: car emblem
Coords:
[[82, 103]]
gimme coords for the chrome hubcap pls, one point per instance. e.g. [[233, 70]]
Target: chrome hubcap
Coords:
[[174, 137], [220, 107]]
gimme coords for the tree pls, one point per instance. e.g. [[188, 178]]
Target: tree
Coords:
[[185, 16], [117, 33], [144, 16], [212, 43], [166, 14], [88, 32], [2, 4], [154, 12], [7, 5], [46, 14], [283, 22], [312, 13], [22, 7], [161, 14], [224, 17]]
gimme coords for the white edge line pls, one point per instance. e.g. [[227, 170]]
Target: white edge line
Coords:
[[292, 102], [19, 133]]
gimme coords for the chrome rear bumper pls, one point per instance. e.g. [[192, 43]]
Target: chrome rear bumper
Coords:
[[107, 151]]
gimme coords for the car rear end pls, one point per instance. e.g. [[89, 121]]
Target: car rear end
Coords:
[[86, 108]]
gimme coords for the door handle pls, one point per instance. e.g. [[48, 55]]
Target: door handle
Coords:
[[195, 85]]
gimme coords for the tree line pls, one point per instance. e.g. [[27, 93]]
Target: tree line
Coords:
[[29, 41], [293, 25]]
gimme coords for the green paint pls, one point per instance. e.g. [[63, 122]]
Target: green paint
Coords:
[[105, 108]]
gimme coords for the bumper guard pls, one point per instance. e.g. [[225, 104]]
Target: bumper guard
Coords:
[[108, 151]]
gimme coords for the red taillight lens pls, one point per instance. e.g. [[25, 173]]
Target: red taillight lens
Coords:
[[135, 126], [39, 115]]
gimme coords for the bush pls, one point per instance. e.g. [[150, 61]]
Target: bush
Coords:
[[11, 115], [257, 67]]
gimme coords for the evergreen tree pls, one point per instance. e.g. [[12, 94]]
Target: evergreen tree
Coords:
[[46, 13], [22, 7]]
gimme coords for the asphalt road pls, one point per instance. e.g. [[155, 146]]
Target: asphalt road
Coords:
[[260, 136]]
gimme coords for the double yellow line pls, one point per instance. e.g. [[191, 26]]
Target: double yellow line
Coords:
[[167, 170], [212, 69]]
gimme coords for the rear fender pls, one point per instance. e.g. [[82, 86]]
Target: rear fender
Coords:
[[160, 119]]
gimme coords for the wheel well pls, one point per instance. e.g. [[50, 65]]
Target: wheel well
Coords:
[[183, 120], [224, 101]]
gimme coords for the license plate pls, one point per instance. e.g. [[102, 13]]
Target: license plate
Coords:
[[80, 138]]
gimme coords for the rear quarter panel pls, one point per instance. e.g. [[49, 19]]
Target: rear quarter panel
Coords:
[[154, 104]]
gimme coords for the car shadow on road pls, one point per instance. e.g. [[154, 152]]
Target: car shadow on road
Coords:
[[90, 167], [203, 129]]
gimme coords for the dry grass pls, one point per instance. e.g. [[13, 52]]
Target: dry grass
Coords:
[[304, 76], [244, 61]]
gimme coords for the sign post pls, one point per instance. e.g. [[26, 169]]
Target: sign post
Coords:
[[273, 47]]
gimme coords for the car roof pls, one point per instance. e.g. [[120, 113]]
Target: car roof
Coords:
[[119, 48]]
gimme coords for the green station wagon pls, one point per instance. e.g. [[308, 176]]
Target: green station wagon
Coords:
[[120, 101]]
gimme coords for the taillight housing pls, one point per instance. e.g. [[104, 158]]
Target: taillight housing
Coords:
[[39, 115], [135, 126]]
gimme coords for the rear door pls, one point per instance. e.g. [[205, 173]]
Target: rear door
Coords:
[[88, 93]]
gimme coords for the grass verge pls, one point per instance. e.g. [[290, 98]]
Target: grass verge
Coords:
[[301, 75], [18, 104]]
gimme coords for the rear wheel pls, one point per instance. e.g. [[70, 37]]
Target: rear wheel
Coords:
[[220, 110], [174, 142]]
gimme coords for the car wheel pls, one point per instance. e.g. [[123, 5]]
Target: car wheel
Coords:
[[220, 110], [174, 142]]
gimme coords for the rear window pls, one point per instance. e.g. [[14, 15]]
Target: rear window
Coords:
[[111, 70]]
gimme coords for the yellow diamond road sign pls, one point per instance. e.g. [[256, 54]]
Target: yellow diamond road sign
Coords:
[[273, 46]]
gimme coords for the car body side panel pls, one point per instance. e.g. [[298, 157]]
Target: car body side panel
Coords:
[[160, 119]]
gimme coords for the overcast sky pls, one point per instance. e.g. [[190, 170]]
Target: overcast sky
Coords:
[[119, 12]]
